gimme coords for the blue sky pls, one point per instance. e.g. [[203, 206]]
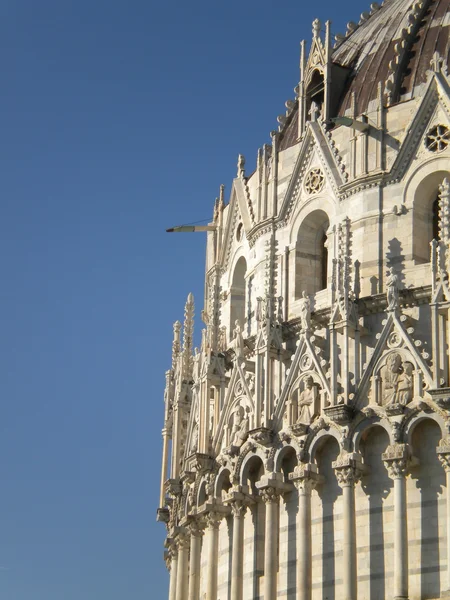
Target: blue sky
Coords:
[[118, 119]]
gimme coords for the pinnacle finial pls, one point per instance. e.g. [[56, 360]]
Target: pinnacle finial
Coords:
[[241, 166], [316, 28]]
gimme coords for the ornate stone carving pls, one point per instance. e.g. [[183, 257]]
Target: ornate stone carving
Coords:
[[397, 380], [239, 431], [437, 139], [305, 312], [392, 290], [314, 181], [348, 468], [305, 477], [397, 460], [270, 494], [213, 519], [238, 340], [306, 401]]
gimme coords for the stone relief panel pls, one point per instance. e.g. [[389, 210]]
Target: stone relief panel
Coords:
[[394, 380]]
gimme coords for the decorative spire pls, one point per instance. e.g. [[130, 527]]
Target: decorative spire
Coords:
[[316, 28], [188, 335], [241, 166], [176, 346]]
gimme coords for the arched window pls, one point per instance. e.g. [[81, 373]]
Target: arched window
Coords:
[[311, 260], [315, 92], [426, 215], [237, 297]]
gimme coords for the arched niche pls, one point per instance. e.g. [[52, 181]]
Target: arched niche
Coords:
[[202, 496], [251, 472], [311, 254], [421, 194], [286, 462], [223, 484], [315, 92], [238, 293]]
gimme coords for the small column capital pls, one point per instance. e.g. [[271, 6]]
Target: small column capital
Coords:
[[443, 452], [397, 460], [349, 468], [271, 487], [305, 477], [182, 541], [196, 527], [238, 501]]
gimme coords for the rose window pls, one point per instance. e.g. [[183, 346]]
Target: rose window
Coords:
[[314, 181], [438, 138]]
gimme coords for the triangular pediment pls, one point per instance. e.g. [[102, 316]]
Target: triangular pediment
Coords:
[[432, 110], [238, 211], [316, 152], [394, 339], [239, 393], [306, 361]]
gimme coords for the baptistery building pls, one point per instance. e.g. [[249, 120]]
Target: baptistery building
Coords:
[[306, 441]]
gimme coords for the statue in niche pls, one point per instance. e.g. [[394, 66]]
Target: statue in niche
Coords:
[[239, 431], [305, 312], [392, 290], [397, 380], [238, 342], [307, 402]]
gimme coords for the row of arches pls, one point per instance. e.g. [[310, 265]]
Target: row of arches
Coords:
[[374, 501]]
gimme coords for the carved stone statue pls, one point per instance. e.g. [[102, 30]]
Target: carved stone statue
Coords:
[[239, 431], [196, 367], [194, 439], [306, 402], [222, 345], [405, 385], [305, 312], [392, 290], [398, 381], [238, 343]]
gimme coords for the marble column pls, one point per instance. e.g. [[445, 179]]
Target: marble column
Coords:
[[397, 459], [213, 520], [173, 553], [238, 508], [183, 544], [443, 452], [305, 477], [349, 468], [196, 532], [271, 498]]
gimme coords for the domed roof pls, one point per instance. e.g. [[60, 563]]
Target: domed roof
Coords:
[[369, 50], [398, 38]]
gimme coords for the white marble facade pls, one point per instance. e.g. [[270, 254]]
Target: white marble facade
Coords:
[[306, 443]]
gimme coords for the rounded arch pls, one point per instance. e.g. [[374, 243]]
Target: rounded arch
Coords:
[[363, 429], [324, 203], [320, 439], [202, 496], [238, 287], [419, 418], [281, 454], [420, 195], [311, 254], [252, 469], [222, 483], [315, 91], [287, 461]]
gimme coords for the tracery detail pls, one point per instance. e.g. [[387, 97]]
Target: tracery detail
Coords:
[[314, 181]]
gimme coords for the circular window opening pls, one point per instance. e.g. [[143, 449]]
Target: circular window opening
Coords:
[[314, 181], [239, 232], [438, 138]]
